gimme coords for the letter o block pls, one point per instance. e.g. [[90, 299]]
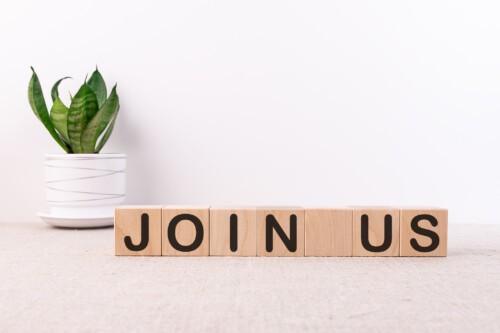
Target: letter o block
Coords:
[[375, 232], [185, 231], [138, 231], [424, 232]]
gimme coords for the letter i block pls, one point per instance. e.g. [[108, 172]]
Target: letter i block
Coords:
[[138, 231], [185, 231], [375, 232], [233, 231], [328, 232], [280, 231], [424, 232]]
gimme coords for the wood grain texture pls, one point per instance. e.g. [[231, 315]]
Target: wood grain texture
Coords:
[[185, 231], [283, 216], [246, 231], [375, 231], [427, 245], [328, 232], [128, 224]]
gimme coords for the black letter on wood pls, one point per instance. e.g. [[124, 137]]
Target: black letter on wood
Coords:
[[199, 233], [144, 235], [424, 232], [233, 232], [387, 234], [290, 243]]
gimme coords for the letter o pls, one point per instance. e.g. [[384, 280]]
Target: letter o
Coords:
[[198, 237]]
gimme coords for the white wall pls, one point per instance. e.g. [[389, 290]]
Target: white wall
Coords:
[[263, 102]]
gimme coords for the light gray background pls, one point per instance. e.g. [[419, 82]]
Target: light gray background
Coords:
[[55, 280], [268, 102]]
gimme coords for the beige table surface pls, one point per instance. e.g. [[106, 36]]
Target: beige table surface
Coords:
[[55, 280]]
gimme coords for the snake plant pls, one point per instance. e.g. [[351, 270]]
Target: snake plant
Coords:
[[77, 128]]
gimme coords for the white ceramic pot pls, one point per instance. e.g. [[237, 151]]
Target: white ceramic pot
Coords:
[[83, 189]]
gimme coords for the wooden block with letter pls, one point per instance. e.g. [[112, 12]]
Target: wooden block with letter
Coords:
[[424, 232], [233, 231], [185, 231], [328, 232], [375, 231], [280, 231], [138, 231]]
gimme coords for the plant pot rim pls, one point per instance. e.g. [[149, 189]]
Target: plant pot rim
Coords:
[[94, 156]]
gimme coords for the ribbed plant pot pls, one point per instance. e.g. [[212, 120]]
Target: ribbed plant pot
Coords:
[[82, 190]]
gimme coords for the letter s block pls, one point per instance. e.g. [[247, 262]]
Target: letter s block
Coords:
[[280, 232], [424, 232], [185, 231], [138, 231], [375, 232]]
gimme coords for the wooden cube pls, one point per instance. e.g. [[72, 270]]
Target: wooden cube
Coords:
[[185, 231], [328, 232], [375, 231], [138, 231], [280, 231], [233, 231], [424, 232]]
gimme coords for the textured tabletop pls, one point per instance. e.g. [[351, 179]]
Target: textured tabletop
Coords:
[[67, 280]]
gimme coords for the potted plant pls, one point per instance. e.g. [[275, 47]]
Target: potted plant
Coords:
[[82, 185]]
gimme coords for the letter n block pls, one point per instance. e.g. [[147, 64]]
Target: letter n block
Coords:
[[138, 231], [185, 231], [328, 232], [233, 231], [280, 231], [375, 232], [424, 232]]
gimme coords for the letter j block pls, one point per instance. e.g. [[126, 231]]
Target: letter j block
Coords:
[[138, 231]]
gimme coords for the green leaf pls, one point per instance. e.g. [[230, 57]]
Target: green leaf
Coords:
[[83, 108], [59, 118], [55, 93], [66, 143], [100, 121], [98, 86], [59, 112], [37, 103], [106, 135]]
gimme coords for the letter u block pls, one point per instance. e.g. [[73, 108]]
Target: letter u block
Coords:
[[138, 231], [424, 232], [185, 231], [375, 232], [280, 231]]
